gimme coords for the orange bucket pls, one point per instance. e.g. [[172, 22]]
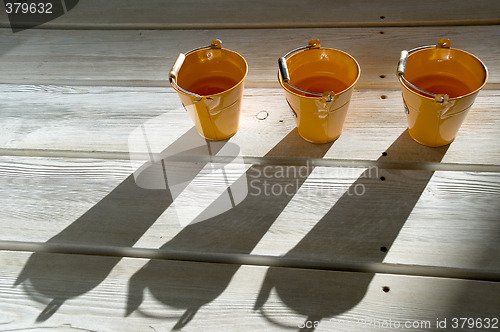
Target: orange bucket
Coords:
[[209, 81], [440, 85], [318, 84]]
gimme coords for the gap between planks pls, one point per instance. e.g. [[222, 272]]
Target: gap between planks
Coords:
[[389, 86], [254, 260], [272, 161], [246, 25]]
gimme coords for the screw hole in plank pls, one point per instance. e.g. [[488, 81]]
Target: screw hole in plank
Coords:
[[262, 115]]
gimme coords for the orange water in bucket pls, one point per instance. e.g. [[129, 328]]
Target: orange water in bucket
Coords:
[[209, 81], [440, 85], [318, 84]]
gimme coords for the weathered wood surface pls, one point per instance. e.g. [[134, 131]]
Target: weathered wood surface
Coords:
[[92, 121], [93, 163], [198, 14], [151, 295], [335, 214], [135, 58]]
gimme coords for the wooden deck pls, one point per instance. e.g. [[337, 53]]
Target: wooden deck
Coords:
[[85, 247]]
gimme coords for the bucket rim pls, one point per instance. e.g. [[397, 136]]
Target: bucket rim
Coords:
[[358, 67], [486, 74], [240, 82]]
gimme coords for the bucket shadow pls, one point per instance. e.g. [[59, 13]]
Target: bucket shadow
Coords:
[[189, 286], [118, 220], [362, 224]]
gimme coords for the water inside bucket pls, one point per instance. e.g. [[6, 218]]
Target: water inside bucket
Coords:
[[321, 84], [211, 85], [442, 84]]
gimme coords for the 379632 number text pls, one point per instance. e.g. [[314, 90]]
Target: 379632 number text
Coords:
[[28, 8]]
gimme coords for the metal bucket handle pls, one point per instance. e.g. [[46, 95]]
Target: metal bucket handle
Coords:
[[215, 44], [328, 96], [438, 98]]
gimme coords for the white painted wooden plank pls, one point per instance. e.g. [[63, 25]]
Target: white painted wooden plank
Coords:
[[258, 13], [338, 214], [100, 119], [136, 57], [140, 295]]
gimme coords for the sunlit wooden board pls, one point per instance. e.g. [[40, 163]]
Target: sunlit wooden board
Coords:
[[138, 57], [72, 293], [422, 217], [86, 121]]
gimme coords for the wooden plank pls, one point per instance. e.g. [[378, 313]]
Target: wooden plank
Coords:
[[413, 221], [136, 57], [421, 217], [155, 14], [98, 293], [68, 119]]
